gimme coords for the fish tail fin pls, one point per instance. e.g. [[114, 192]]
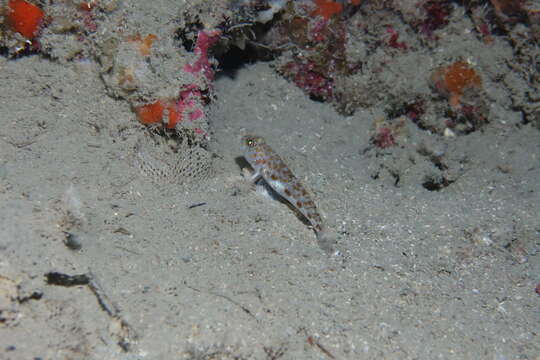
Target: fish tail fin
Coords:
[[327, 242]]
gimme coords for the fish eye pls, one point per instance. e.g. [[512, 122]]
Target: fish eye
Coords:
[[250, 142]]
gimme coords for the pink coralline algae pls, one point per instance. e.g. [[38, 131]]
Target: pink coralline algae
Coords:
[[437, 14], [188, 105], [185, 107], [205, 40], [309, 80], [317, 36], [384, 138], [394, 37], [187, 102], [191, 97]]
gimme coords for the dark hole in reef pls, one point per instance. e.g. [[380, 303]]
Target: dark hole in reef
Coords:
[[188, 35], [439, 164], [35, 295], [232, 58], [316, 98], [436, 184], [396, 179], [60, 279], [26, 49]]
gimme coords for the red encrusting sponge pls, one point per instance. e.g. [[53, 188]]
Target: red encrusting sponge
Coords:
[[24, 18], [153, 113]]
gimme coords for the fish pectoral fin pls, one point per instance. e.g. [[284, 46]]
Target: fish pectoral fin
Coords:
[[251, 176]]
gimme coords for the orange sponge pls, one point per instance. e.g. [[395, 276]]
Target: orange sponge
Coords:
[[153, 113], [326, 8], [150, 113], [453, 79], [24, 18], [144, 45]]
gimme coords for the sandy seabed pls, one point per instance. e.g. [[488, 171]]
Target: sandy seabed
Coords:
[[214, 270]]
